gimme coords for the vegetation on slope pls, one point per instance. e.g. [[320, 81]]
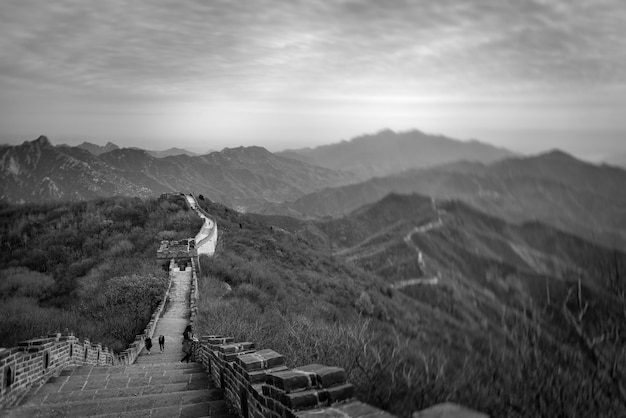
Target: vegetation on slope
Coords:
[[88, 267], [491, 335]]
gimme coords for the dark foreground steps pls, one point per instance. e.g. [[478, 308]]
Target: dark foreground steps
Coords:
[[150, 390]]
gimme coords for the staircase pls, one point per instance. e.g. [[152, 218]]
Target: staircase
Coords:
[[157, 385]]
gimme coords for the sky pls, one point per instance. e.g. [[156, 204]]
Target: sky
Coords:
[[529, 75]]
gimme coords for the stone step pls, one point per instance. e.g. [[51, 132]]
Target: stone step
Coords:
[[71, 383], [63, 405], [217, 404], [50, 394], [134, 371], [158, 358], [103, 410]]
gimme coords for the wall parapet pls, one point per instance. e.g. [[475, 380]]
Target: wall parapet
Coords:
[[34, 361]]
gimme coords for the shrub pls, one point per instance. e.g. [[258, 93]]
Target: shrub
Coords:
[[22, 282]]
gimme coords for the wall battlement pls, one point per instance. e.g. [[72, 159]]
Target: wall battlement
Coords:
[[34, 361]]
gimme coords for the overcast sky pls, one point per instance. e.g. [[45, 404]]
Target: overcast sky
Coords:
[[524, 74]]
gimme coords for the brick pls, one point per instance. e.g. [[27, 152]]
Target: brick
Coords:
[[221, 340], [251, 362], [292, 380], [340, 393], [230, 357], [326, 376], [236, 347], [305, 400]]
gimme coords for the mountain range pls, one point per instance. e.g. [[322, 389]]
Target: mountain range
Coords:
[[240, 177], [480, 275], [554, 188], [37, 171], [99, 149], [388, 152], [502, 305]]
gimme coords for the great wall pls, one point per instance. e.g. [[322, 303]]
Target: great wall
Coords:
[[62, 375]]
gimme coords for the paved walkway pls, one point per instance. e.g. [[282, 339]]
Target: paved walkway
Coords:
[[172, 322]]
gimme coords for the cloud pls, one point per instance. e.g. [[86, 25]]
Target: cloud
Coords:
[[168, 48], [336, 59]]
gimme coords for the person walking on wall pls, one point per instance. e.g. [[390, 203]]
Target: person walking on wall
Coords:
[[162, 343], [148, 343], [187, 343]]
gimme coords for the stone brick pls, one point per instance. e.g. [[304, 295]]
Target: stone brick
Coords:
[[229, 357], [236, 347], [340, 393], [305, 400], [292, 380], [221, 340], [260, 376], [263, 359], [326, 376]]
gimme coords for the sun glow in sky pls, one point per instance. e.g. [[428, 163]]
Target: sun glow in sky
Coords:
[[529, 75]]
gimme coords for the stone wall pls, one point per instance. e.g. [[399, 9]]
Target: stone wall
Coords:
[[33, 361]]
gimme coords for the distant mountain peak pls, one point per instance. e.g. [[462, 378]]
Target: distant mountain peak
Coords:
[[41, 141], [96, 149], [557, 153], [388, 152]]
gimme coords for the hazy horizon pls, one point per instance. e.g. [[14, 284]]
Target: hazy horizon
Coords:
[[56, 142], [528, 76]]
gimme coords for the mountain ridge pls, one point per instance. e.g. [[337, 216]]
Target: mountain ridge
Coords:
[[388, 152], [570, 194], [239, 177]]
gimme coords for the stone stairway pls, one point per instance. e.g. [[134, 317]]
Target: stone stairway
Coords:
[[156, 385]]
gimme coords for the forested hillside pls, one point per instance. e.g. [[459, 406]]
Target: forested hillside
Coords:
[[522, 320], [88, 267]]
